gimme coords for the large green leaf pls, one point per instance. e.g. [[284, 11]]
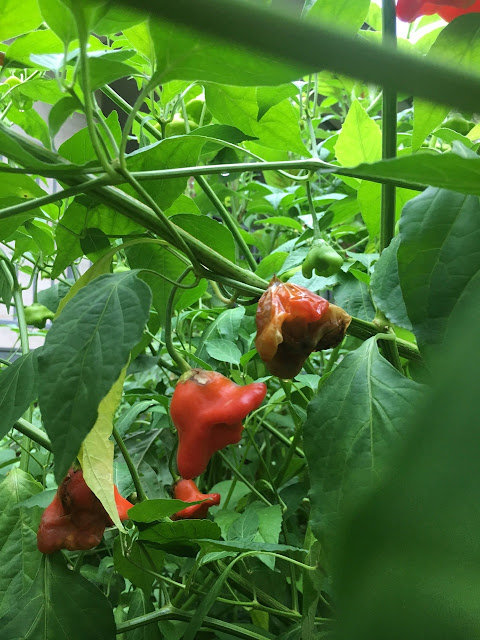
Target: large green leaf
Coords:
[[360, 139], [209, 231], [131, 563], [439, 261], [369, 198], [184, 54], [357, 417], [233, 106], [353, 296], [385, 287], [59, 18], [409, 560], [140, 605], [181, 151], [19, 555], [180, 537], [457, 44], [14, 22], [84, 353], [18, 389], [447, 171], [62, 605], [349, 14]]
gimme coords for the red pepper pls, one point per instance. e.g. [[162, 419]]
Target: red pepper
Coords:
[[187, 491], [410, 10], [292, 322], [76, 519], [207, 410]]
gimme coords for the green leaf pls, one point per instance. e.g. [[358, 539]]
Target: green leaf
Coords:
[[369, 198], [233, 106], [182, 151], [60, 604], [14, 22], [208, 231], [79, 149], [459, 45], [180, 537], [42, 235], [67, 237], [357, 417], [18, 537], [96, 452], [360, 139], [228, 323], [347, 14], [353, 296], [224, 351], [105, 69], [271, 264], [438, 261], [385, 287], [279, 129], [415, 541], [94, 242], [84, 353], [155, 510], [157, 258], [39, 89], [282, 221], [32, 123], [126, 565], [184, 54], [240, 546], [52, 296], [118, 19], [60, 111], [59, 18], [18, 389]]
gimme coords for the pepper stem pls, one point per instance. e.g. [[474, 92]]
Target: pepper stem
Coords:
[[174, 354]]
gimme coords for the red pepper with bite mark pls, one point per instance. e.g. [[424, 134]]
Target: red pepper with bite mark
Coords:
[[187, 491], [207, 410], [292, 322]]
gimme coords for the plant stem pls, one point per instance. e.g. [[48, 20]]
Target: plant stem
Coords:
[[34, 203], [389, 129], [131, 466], [240, 475], [32, 432], [171, 613], [228, 220], [174, 354], [365, 330], [316, 227]]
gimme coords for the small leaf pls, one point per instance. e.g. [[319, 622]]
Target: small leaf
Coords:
[[180, 537], [360, 139], [18, 389], [224, 351], [84, 353]]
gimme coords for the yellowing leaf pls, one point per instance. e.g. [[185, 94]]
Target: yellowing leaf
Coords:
[[96, 452]]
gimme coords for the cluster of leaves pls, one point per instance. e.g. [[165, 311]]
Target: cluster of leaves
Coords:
[[235, 163]]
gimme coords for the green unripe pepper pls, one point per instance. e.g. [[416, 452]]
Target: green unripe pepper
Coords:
[[322, 259], [37, 315]]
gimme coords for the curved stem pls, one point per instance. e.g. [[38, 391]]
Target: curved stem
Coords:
[[316, 227], [33, 433], [132, 113], [131, 467], [176, 357], [228, 220]]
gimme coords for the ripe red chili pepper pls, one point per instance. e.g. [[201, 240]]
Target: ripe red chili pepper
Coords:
[[292, 322], [75, 519], [410, 10], [207, 410], [187, 491]]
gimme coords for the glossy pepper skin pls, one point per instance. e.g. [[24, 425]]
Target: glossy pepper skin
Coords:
[[323, 259], [292, 322], [76, 519], [187, 491], [410, 10], [207, 410]]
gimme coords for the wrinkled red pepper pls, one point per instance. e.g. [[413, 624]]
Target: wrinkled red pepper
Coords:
[[187, 491], [292, 322], [75, 519], [410, 10], [207, 410]]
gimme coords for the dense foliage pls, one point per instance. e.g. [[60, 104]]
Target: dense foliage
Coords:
[[263, 275]]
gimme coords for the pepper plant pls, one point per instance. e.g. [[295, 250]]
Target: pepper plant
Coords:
[[253, 413]]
